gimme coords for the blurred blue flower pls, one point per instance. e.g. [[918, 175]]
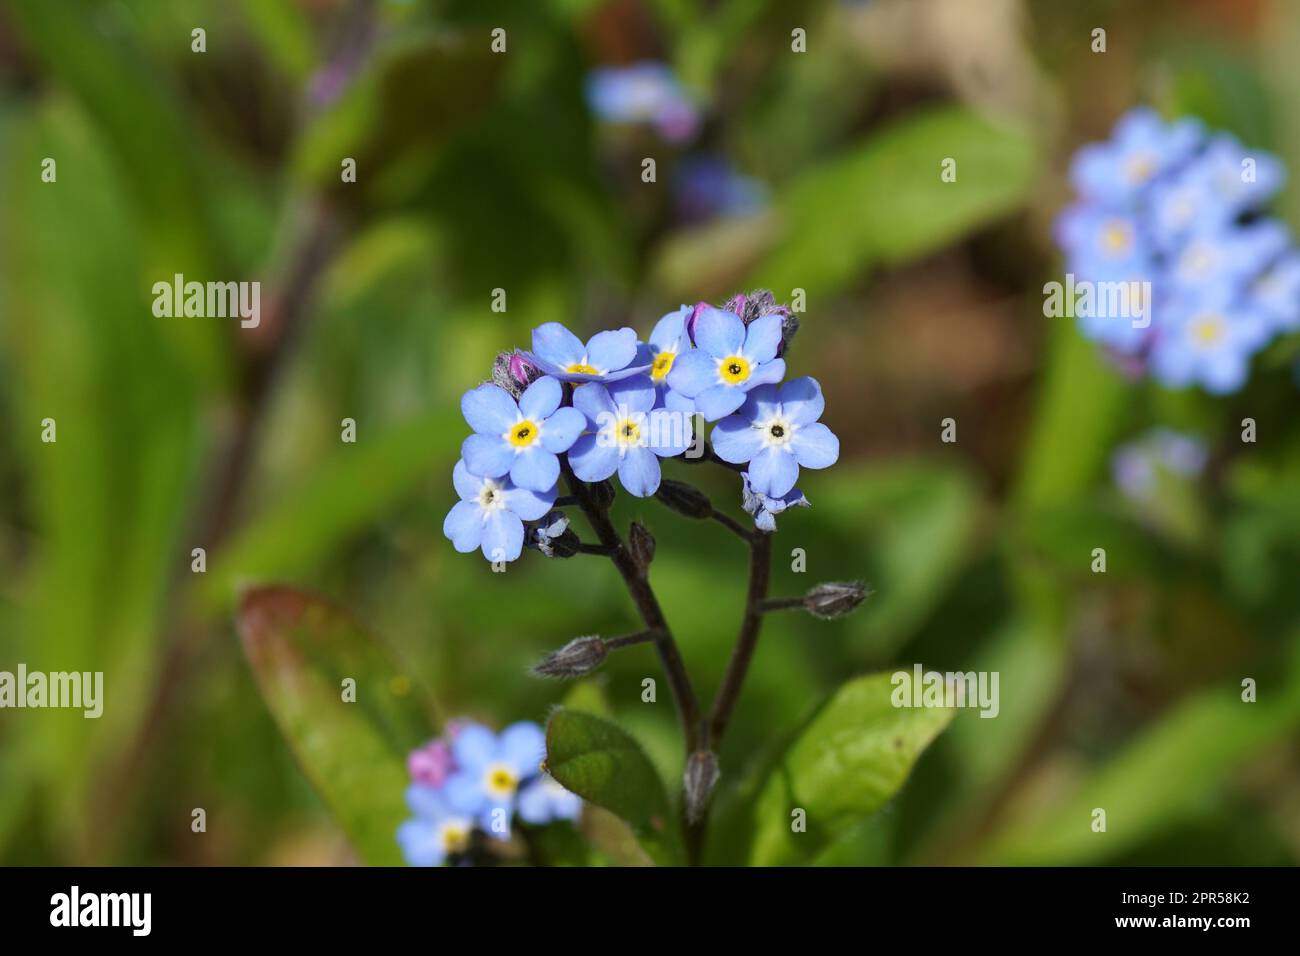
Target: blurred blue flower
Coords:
[[606, 357], [437, 831], [777, 433], [491, 514], [706, 187], [645, 92], [627, 434], [728, 360], [520, 439], [1141, 148], [1136, 465], [490, 769], [1174, 214], [545, 800]]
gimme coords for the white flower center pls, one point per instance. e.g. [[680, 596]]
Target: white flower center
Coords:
[[777, 431], [491, 497]]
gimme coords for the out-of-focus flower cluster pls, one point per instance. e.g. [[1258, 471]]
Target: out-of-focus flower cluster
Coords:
[[471, 784], [1168, 227], [614, 405]]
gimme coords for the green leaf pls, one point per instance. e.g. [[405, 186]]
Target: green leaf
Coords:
[[604, 765], [850, 759], [885, 203], [301, 649]]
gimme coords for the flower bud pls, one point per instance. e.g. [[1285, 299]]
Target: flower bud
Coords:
[[684, 499], [582, 655], [834, 598], [698, 781], [552, 536], [602, 494], [514, 372], [641, 543]]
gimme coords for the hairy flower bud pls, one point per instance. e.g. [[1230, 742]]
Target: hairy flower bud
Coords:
[[514, 372], [834, 598], [698, 781], [641, 543], [582, 655], [684, 499], [754, 305]]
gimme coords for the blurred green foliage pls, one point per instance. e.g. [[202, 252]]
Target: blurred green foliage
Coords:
[[478, 172]]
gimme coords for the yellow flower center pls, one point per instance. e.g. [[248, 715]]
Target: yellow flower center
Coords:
[[581, 368], [1208, 331], [662, 365], [733, 369], [500, 781], [455, 837], [523, 434], [1115, 238], [627, 431]]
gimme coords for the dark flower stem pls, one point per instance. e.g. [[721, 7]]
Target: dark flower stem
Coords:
[[688, 705], [782, 604], [627, 640], [760, 572], [732, 525], [602, 549]]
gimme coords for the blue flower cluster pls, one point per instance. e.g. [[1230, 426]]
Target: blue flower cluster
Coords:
[[1174, 211], [645, 92], [473, 780], [613, 405]]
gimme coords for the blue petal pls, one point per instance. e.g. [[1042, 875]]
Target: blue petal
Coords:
[[562, 429], [535, 470], [677, 402], [625, 373], [736, 440], [667, 432], [763, 338], [528, 504], [802, 400], [464, 792], [692, 373], [719, 333], [464, 526], [557, 345], [421, 843], [503, 536], [611, 351], [467, 485], [773, 472], [670, 330], [523, 745], [474, 748], [489, 409], [766, 374], [533, 804], [488, 820], [639, 472], [593, 400], [425, 801], [760, 403], [541, 399], [591, 460], [487, 455], [633, 394], [719, 401], [814, 446]]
